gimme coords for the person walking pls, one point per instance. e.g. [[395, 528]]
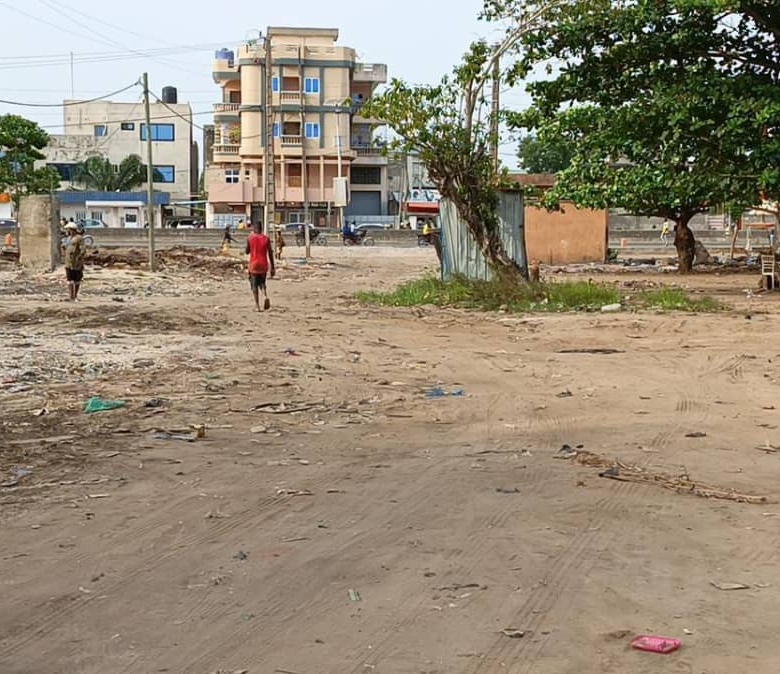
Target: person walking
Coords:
[[74, 260], [260, 263], [665, 233]]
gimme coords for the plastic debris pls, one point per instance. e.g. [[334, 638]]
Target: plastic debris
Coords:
[[729, 586], [513, 633], [610, 308], [354, 595], [96, 404], [656, 644], [438, 392]]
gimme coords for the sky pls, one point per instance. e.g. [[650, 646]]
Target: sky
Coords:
[[174, 41]]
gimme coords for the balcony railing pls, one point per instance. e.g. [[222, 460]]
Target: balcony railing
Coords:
[[290, 97], [367, 151], [291, 140], [226, 107], [232, 148]]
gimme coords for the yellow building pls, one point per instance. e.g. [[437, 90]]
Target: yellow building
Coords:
[[318, 88]]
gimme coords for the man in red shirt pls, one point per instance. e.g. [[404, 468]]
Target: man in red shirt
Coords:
[[260, 258]]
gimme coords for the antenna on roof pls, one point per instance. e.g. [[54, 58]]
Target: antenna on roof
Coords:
[[253, 36]]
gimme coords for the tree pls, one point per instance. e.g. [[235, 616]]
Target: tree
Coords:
[[449, 126], [98, 173], [537, 156], [20, 143], [666, 111]]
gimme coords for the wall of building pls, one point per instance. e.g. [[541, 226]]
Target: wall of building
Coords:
[[567, 236], [80, 141]]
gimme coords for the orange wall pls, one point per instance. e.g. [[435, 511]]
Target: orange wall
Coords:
[[570, 235]]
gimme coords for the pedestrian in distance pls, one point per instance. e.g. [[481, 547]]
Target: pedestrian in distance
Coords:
[[260, 263], [74, 260], [279, 243], [665, 233]]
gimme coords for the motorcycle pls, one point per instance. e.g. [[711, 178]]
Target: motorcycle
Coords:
[[88, 241], [315, 237], [359, 238]]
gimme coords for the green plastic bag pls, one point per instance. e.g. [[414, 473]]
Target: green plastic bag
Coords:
[[96, 404]]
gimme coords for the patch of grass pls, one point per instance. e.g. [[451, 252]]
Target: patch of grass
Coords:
[[495, 295], [675, 299], [535, 297]]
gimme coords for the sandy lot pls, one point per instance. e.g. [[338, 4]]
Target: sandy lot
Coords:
[[335, 520]]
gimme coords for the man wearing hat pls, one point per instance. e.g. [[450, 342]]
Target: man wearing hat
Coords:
[[74, 260]]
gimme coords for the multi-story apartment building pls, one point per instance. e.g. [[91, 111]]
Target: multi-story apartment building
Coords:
[[116, 130], [318, 88]]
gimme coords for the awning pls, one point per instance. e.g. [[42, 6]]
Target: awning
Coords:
[[422, 207]]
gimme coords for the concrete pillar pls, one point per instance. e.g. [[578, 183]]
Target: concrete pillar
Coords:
[[39, 237]]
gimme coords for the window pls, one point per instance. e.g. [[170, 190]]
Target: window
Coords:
[[276, 129], [80, 215], [275, 84], [65, 170], [235, 97], [100, 130], [96, 215], [311, 85], [232, 176], [128, 126], [160, 132], [366, 175], [294, 175], [312, 130], [164, 174]]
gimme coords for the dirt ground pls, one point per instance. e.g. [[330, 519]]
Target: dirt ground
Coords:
[[335, 520]]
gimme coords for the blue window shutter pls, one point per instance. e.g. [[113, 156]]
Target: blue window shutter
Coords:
[[275, 83], [315, 85], [307, 85], [276, 129], [315, 130]]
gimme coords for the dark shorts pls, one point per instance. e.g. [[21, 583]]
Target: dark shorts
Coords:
[[257, 281], [74, 275]]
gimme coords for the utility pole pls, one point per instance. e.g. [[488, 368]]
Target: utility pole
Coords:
[[149, 173], [304, 172], [495, 112], [268, 156], [338, 155]]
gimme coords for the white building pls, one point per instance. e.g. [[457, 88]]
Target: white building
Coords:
[[116, 130]]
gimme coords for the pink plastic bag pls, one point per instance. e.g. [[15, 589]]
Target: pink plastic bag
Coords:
[[656, 644]]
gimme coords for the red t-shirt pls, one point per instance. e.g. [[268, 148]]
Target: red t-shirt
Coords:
[[257, 246]]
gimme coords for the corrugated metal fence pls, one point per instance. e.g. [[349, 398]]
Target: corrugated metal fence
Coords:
[[461, 255]]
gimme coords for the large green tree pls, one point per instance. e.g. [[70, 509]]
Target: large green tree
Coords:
[[98, 173], [21, 142], [452, 126], [670, 107], [549, 155]]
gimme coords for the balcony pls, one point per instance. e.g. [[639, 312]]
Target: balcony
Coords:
[[221, 150], [368, 150], [370, 72], [226, 108], [290, 97], [292, 140]]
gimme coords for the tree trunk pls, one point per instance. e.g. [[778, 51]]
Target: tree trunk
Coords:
[[734, 235], [685, 244]]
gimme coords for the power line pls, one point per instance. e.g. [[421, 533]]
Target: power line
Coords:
[[159, 100], [162, 51], [108, 41], [67, 104], [142, 119], [123, 29]]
